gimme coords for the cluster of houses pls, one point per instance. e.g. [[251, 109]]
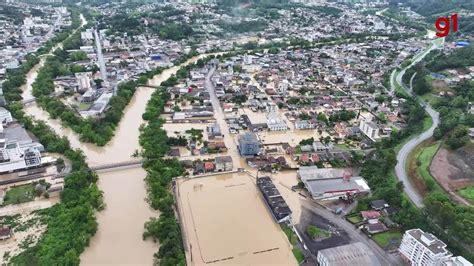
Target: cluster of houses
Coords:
[[292, 91], [377, 219], [25, 29], [218, 164]]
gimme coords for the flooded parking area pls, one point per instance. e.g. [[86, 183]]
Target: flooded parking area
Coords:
[[225, 221]]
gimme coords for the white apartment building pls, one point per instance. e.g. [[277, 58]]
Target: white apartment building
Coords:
[[370, 129], [84, 81], [421, 249]]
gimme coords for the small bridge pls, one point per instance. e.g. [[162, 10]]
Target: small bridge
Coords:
[[117, 165], [148, 86], [110, 166], [28, 101]]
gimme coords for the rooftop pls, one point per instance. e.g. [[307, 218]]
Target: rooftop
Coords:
[[317, 187], [428, 240]]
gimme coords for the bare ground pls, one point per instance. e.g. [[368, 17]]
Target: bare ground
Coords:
[[454, 170]]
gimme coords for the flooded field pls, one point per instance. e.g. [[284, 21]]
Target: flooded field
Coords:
[[119, 237], [226, 221]]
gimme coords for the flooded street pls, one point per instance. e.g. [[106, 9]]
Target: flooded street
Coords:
[[119, 237]]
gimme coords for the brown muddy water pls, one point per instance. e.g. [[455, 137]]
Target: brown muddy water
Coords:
[[226, 221], [119, 238]]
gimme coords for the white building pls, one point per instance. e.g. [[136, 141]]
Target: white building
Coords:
[[84, 81], [274, 122], [304, 124], [421, 248], [87, 35], [370, 129], [5, 116], [17, 151]]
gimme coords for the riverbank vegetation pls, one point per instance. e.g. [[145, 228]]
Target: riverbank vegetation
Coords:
[[72, 222], [160, 174], [95, 130]]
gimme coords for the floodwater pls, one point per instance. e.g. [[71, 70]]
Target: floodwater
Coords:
[[226, 221], [119, 238]]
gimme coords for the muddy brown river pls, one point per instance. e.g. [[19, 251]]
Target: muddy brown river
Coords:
[[119, 238]]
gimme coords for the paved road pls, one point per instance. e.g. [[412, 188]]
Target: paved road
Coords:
[[402, 156], [355, 234]]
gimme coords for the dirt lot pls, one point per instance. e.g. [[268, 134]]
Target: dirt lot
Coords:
[[454, 170], [225, 220]]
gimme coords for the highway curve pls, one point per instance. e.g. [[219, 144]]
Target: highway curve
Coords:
[[407, 148]]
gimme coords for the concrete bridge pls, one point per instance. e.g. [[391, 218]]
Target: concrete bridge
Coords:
[[148, 86], [110, 166], [28, 101]]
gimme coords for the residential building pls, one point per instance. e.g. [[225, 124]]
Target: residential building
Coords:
[[214, 131], [319, 146], [370, 129], [277, 204], [471, 132], [5, 233], [351, 254], [224, 163], [84, 81], [420, 248], [378, 204], [304, 124], [249, 144]]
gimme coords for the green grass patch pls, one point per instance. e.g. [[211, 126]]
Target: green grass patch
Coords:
[[84, 106], [386, 238], [354, 218], [427, 123], [19, 194], [315, 232], [467, 193], [429, 98], [290, 234], [419, 165], [298, 254]]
